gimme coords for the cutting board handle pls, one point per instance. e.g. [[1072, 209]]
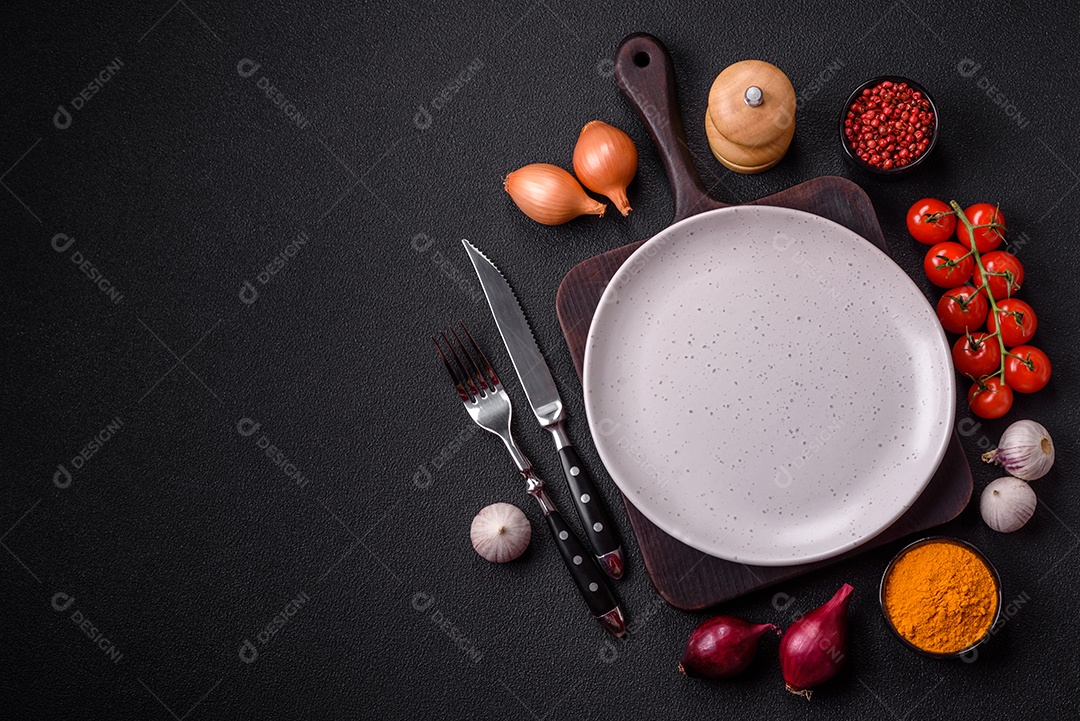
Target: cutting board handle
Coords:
[[646, 76]]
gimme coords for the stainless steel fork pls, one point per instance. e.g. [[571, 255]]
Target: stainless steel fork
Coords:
[[489, 407]]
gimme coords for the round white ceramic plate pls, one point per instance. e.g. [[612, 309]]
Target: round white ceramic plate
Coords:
[[766, 386]]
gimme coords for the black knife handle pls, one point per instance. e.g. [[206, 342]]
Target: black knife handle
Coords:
[[590, 507], [590, 580]]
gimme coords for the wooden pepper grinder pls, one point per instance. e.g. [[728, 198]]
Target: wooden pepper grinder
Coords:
[[751, 116]]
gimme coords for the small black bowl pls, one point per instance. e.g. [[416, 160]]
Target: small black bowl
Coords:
[[941, 539], [888, 172]]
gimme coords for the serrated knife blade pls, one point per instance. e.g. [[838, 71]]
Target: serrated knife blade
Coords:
[[530, 365]]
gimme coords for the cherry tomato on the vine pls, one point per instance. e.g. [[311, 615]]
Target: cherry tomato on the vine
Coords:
[[1018, 321], [990, 399], [1004, 273], [948, 265], [986, 239], [1027, 369], [977, 355], [931, 221], [962, 309]]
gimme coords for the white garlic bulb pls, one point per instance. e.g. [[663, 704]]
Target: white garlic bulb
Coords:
[[1025, 451], [500, 532], [1007, 504]]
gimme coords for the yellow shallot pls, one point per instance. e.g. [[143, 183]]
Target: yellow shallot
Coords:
[[605, 161], [550, 195]]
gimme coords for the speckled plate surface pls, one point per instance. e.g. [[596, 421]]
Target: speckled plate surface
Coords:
[[766, 386]]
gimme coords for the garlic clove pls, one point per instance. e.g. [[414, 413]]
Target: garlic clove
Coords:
[[605, 161], [1007, 504], [550, 195], [500, 532], [1025, 451]]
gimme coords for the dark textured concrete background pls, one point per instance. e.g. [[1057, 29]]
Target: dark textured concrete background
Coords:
[[350, 148]]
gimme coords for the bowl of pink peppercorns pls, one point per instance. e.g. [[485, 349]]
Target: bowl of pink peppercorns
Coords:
[[889, 126]]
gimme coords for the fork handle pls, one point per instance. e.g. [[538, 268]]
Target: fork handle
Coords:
[[590, 580]]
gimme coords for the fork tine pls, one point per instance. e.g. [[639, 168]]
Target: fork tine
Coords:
[[478, 375], [469, 380], [487, 364], [457, 381]]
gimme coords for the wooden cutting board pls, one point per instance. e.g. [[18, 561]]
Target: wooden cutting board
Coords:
[[687, 578]]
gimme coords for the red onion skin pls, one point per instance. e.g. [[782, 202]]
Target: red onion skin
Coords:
[[722, 647], [814, 647]]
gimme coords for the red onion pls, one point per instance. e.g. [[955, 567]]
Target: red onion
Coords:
[[815, 646], [722, 647]]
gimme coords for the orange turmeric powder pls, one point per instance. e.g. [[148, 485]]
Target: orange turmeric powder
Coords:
[[941, 597]]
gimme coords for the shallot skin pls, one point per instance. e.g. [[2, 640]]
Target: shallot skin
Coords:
[[605, 161], [722, 647], [550, 195], [814, 648]]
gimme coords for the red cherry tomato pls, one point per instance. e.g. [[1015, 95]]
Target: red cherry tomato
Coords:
[[962, 310], [977, 355], [990, 399], [988, 238], [1018, 322], [1004, 273], [1027, 369], [931, 221], [948, 265]]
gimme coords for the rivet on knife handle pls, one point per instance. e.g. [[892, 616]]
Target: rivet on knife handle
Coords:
[[590, 508]]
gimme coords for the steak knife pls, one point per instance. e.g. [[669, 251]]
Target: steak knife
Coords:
[[547, 406]]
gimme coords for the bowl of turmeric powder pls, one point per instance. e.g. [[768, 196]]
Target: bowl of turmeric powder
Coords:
[[941, 596]]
